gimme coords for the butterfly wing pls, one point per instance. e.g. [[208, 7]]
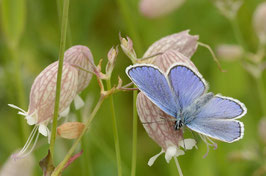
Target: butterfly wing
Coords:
[[153, 83], [187, 84], [216, 119], [221, 107]]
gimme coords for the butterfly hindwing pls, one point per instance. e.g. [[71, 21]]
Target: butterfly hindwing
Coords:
[[220, 107], [216, 119], [224, 130], [153, 83]]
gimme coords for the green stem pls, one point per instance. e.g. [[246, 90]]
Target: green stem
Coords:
[[20, 92], [60, 167], [125, 11], [115, 131], [59, 74], [261, 92], [85, 159], [178, 167], [129, 20], [237, 33], [135, 136]]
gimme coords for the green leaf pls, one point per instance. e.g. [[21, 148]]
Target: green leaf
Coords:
[[13, 14]]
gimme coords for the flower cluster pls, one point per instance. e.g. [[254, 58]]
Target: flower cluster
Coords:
[[43, 91]]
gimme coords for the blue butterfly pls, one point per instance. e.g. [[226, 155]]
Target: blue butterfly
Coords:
[[182, 93]]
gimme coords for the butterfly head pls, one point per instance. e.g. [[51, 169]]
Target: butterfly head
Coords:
[[178, 124]]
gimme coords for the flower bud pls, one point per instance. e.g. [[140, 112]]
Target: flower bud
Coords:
[[229, 52], [127, 47], [262, 130], [70, 130], [259, 22], [112, 54], [81, 56], [156, 8], [229, 8]]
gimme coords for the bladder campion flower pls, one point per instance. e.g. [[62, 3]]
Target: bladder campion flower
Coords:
[[80, 56], [158, 124], [259, 22], [156, 8], [42, 99], [229, 52], [23, 167]]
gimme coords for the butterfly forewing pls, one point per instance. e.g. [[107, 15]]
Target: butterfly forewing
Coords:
[[153, 83], [187, 84]]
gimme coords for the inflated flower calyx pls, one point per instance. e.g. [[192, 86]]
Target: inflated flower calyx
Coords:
[[81, 58], [42, 98]]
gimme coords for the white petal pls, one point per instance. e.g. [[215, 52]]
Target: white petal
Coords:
[[179, 152], [49, 136], [78, 102], [170, 152], [65, 112], [152, 159], [16, 107], [31, 120], [43, 130], [189, 143]]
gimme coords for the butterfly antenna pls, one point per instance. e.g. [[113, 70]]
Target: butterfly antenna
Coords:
[[213, 55]]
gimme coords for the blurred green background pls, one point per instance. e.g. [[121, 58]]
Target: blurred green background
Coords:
[[29, 41]]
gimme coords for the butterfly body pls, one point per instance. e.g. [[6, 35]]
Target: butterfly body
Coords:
[[182, 93]]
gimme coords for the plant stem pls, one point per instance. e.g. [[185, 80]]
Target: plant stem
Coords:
[[178, 167], [20, 91], [135, 135], [59, 73], [261, 92], [259, 81], [237, 33], [125, 11], [115, 131], [60, 167], [84, 162]]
